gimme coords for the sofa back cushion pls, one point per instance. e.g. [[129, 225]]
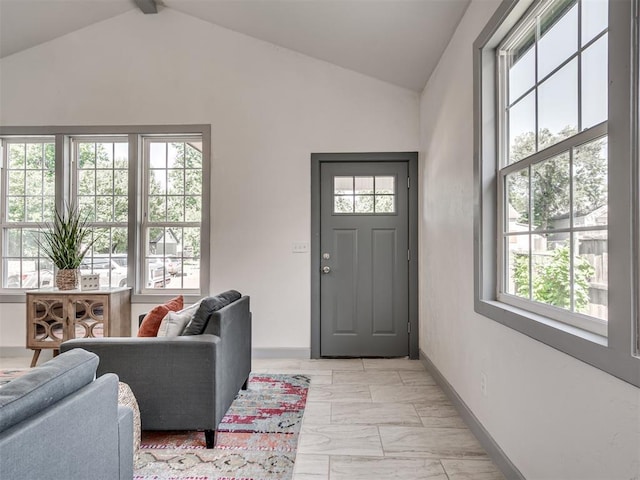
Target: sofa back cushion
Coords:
[[151, 322], [209, 305], [174, 323], [43, 386]]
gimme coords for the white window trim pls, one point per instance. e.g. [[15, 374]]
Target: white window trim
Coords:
[[146, 224], [63, 136], [616, 354]]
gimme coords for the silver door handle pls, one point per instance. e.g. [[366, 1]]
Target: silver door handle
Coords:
[[326, 270]]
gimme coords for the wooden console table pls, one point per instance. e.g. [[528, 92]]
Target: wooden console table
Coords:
[[54, 316]]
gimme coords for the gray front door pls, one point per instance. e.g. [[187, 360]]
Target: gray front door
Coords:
[[364, 242]]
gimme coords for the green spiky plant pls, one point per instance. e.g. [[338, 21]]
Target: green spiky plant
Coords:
[[62, 239]]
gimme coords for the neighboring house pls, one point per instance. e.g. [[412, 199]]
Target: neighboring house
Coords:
[[167, 243]]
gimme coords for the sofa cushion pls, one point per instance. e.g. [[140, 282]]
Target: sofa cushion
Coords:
[[151, 322], [43, 386], [174, 323], [207, 307]]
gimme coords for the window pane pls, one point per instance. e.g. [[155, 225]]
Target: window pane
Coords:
[[14, 242], [558, 106], [86, 182], [517, 201], [16, 180], [385, 204], [17, 152], [157, 182], [193, 181], [104, 155], [86, 155], [15, 209], [35, 152], [550, 272], [111, 266], [193, 155], [193, 208], [595, 17], [559, 38], [121, 155], [591, 274], [104, 182], [104, 209], [550, 193], [175, 183], [157, 208], [517, 265], [175, 155], [35, 212], [522, 128], [522, 74], [86, 205], [364, 204], [594, 83], [590, 184], [157, 155], [364, 185], [342, 185], [343, 204], [175, 209], [385, 185], [120, 182]]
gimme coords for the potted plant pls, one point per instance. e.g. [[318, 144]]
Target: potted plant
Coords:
[[65, 242]]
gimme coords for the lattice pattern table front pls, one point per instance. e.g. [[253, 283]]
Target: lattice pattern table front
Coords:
[[54, 316]]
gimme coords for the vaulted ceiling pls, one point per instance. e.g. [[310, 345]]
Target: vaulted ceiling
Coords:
[[397, 41]]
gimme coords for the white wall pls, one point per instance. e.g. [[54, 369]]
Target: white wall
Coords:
[[555, 417], [269, 108]]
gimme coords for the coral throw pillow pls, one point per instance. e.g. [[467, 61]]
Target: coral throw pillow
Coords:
[[151, 322]]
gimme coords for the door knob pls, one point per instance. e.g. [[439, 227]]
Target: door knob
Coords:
[[326, 270]]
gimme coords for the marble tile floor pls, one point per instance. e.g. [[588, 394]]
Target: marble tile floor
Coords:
[[376, 419], [380, 419]]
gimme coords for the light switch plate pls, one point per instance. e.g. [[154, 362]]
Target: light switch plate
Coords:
[[300, 247]]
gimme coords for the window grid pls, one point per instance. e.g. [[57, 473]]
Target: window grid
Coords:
[[541, 156], [355, 195], [29, 182], [101, 188], [173, 204], [120, 218], [506, 61]]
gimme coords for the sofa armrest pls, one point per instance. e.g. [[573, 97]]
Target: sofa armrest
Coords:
[[125, 442], [163, 373]]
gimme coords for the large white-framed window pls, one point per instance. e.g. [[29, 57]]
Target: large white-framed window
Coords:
[[28, 200], [556, 247], [172, 206], [100, 189], [552, 179], [146, 214]]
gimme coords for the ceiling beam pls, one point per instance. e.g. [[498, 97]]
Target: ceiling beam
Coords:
[[147, 6]]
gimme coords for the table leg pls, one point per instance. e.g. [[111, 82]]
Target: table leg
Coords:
[[36, 354]]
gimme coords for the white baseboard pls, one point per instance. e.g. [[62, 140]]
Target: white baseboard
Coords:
[[508, 469], [281, 353]]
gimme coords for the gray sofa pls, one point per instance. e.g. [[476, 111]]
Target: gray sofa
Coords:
[[183, 382], [57, 422]]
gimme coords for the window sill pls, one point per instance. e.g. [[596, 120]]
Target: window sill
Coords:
[[147, 298]]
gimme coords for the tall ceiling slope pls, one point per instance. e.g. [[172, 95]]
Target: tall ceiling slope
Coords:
[[397, 41]]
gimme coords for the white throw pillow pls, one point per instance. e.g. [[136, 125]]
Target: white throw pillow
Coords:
[[174, 323]]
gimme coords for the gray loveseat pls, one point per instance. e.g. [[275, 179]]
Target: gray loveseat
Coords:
[[183, 382], [57, 422]]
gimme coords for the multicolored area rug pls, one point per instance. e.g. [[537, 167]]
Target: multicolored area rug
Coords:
[[257, 438]]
